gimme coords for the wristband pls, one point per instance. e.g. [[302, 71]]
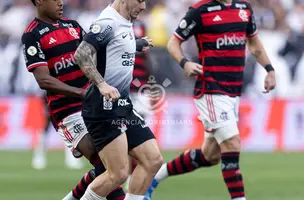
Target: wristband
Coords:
[[183, 62], [269, 68]]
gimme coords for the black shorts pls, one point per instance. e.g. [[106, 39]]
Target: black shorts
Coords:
[[104, 132]]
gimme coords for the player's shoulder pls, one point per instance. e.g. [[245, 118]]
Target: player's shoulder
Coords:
[[69, 21], [32, 29], [203, 4], [242, 4]]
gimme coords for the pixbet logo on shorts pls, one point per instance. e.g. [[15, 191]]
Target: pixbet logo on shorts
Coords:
[[230, 41], [154, 95]]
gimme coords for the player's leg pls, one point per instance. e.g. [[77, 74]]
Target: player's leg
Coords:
[[143, 147], [227, 135], [230, 147], [39, 160], [209, 155], [112, 145], [82, 144], [70, 161]]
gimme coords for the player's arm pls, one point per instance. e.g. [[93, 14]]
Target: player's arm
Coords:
[[49, 83], [98, 37], [187, 27], [37, 64], [257, 49]]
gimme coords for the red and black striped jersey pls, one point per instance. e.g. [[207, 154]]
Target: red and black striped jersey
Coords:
[[54, 45], [221, 32], [140, 73]]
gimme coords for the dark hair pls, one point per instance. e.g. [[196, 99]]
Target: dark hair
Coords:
[[33, 1]]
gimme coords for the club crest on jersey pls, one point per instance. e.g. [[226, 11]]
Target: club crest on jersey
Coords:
[[244, 15], [74, 33]]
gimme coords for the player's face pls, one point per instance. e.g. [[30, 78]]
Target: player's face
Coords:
[[135, 7], [52, 8]]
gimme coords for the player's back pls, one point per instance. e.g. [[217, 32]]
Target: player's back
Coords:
[[54, 45], [221, 32]]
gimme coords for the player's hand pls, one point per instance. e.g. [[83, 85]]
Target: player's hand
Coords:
[[147, 48], [193, 69], [270, 82], [109, 92]]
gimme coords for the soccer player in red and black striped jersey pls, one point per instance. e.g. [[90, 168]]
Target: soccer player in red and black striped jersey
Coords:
[[222, 29], [49, 43]]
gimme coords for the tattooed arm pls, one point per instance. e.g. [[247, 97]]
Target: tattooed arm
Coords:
[[85, 59]]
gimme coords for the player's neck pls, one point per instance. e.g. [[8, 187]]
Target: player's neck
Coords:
[[225, 2], [46, 19], [118, 7]]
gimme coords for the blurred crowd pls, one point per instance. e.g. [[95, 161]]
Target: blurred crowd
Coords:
[[280, 22]]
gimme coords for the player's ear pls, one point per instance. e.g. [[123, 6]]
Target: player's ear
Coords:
[[38, 2]]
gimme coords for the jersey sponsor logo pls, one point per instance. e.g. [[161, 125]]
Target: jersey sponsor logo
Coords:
[[230, 41], [24, 53], [124, 36], [32, 51], [40, 52], [188, 29], [107, 104], [243, 15], [214, 8], [103, 35], [52, 41], [123, 102], [240, 6], [217, 18], [69, 25], [74, 33], [44, 30], [128, 59], [65, 63]]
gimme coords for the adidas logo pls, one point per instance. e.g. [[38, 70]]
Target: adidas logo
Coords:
[[52, 41], [217, 18]]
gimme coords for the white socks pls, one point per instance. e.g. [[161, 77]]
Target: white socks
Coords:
[[133, 197], [240, 198], [90, 195], [69, 197], [162, 173]]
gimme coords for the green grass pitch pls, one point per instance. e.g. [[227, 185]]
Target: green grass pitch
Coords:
[[268, 176]]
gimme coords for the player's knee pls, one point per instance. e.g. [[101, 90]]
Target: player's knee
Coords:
[[120, 176], [154, 163], [232, 144], [213, 158]]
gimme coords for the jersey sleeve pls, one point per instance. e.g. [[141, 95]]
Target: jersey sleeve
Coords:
[[32, 51], [189, 25], [100, 34], [251, 27]]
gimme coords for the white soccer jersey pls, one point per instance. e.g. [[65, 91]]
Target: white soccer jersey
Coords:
[[113, 37]]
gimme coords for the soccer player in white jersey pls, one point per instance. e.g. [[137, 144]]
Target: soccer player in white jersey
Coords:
[[106, 56]]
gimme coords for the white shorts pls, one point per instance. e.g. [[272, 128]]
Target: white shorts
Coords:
[[72, 129], [141, 103], [219, 113]]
